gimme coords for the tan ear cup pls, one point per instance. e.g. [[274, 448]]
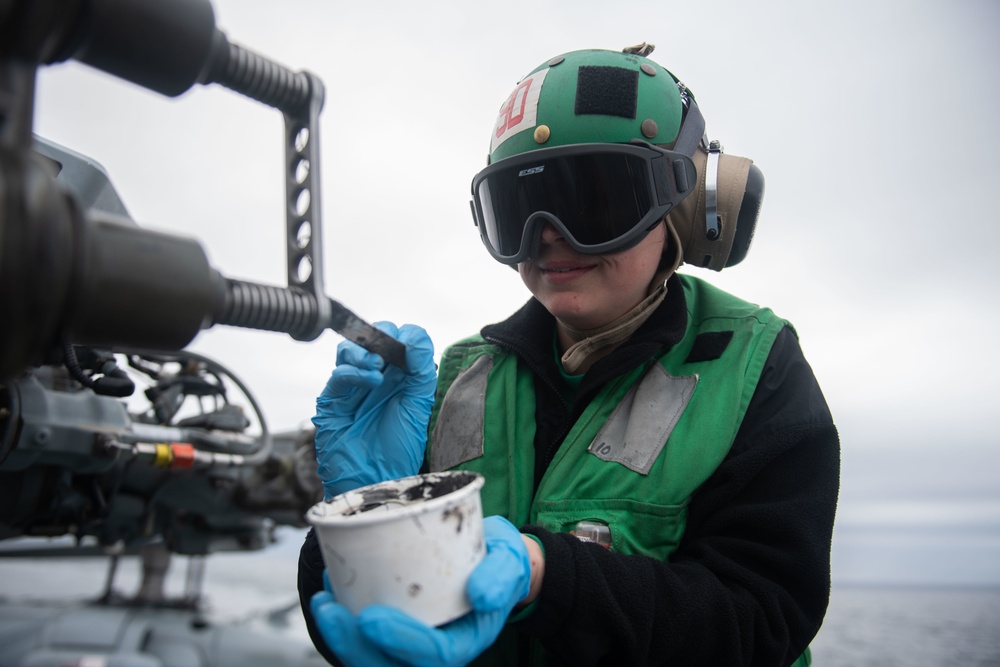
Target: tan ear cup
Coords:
[[688, 219]]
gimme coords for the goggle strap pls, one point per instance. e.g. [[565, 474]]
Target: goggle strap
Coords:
[[692, 130]]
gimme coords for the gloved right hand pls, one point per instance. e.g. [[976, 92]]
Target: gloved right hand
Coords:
[[371, 420], [381, 636]]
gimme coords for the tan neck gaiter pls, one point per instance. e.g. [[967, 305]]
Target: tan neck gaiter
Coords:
[[592, 344]]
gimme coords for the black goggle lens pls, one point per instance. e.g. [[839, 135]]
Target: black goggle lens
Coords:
[[598, 197]]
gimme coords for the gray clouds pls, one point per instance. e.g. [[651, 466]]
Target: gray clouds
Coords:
[[874, 124]]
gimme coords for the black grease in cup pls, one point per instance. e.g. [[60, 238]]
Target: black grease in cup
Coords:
[[426, 487]]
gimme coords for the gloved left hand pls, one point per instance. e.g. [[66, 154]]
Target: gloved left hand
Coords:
[[371, 420], [385, 637]]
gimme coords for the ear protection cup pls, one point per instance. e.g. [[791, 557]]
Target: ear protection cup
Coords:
[[735, 186], [746, 220], [716, 225]]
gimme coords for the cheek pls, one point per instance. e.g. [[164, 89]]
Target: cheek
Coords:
[[651, 252], [531, 278], [640, 266], [525, 273]]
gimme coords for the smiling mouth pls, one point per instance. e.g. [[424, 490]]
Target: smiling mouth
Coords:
[[562, 266], [558, 273]]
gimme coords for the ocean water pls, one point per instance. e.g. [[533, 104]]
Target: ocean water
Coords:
[[910, 627], [870, 625]]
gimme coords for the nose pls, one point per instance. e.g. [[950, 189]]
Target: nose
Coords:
[[550, 234]]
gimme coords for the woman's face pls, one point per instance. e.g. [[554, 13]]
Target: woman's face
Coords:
[[589, 291]]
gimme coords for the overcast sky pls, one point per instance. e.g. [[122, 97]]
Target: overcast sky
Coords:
[[874, 124]]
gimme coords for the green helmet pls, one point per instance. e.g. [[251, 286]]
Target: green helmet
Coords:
[[591, 96], [611, 97]]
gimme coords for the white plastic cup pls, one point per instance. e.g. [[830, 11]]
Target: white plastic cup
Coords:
[[409, 543]]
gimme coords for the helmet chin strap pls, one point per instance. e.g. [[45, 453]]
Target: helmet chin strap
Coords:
[[592, 344]]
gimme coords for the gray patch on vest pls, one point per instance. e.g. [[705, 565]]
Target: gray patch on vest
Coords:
[[458, 433], [640, 425]]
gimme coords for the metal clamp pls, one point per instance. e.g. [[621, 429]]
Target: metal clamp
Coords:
[[712, 227]]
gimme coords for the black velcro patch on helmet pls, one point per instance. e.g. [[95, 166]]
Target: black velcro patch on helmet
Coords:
[[708, 346], [607, 91]]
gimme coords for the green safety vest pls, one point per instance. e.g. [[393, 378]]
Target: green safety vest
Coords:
[[636, 455]]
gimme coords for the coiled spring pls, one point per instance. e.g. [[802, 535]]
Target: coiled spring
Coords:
[[268, 308], [250, 74]]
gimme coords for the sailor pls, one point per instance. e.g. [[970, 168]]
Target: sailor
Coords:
[[661, 467]]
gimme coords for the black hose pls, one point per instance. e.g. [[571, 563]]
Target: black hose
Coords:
[[115, 382]]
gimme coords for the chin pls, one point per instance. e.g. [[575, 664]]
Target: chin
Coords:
[[577, 319]]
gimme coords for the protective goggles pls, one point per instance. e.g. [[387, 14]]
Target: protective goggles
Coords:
[[602, 198]]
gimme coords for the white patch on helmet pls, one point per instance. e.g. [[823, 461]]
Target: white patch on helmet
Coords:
[[520, 111]]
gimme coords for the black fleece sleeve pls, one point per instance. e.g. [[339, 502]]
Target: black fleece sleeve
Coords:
[[750, 581], [311, 582]]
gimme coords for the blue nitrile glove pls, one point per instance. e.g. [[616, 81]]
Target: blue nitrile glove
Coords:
[[386, 637], [371, 420]]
